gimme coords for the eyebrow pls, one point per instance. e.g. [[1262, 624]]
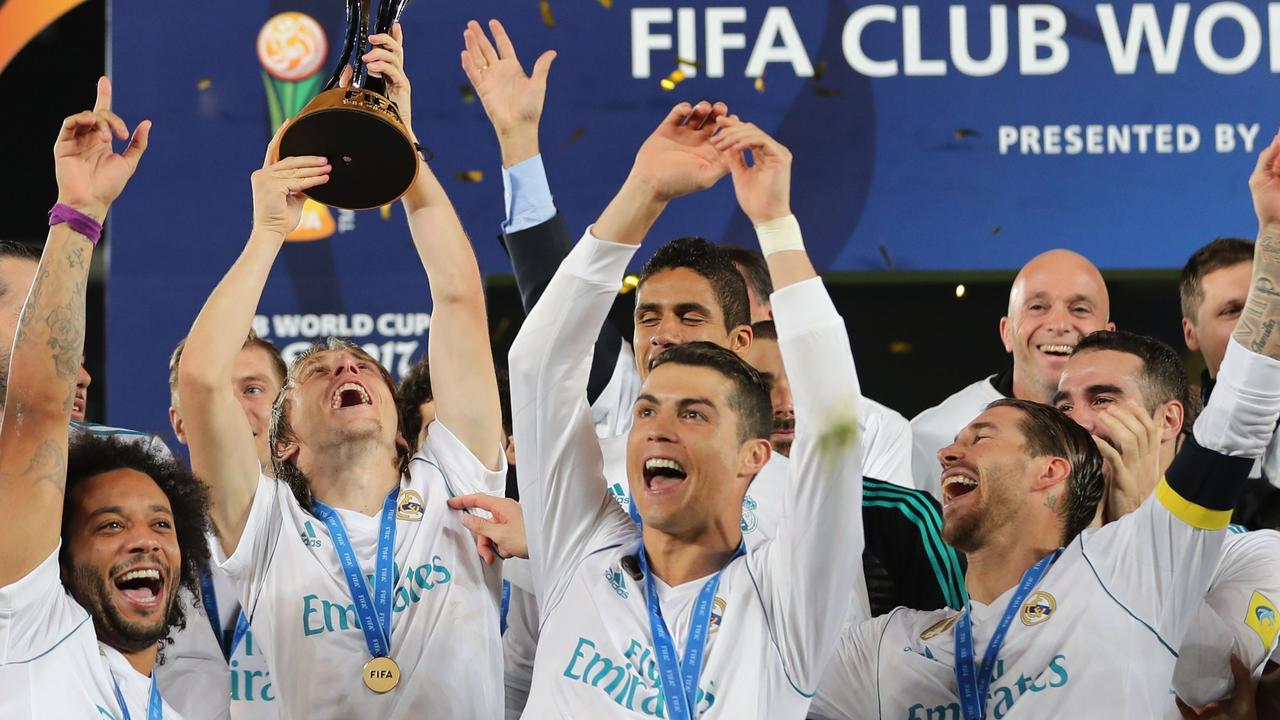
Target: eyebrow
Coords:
[[253, 377], [975, 427], [683, 403], [1103, 388], [679, 308], [1059, 397], [117, 510]]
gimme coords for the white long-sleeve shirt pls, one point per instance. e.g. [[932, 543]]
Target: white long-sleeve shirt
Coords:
[[778, 608]]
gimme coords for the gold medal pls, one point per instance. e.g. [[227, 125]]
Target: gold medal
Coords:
[[381, 674]]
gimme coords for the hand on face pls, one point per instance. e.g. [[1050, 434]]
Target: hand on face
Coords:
[[278, 187], [764, 188], [678, 158], [501, 537], [90, 174], [512, 99], [1129, 440]]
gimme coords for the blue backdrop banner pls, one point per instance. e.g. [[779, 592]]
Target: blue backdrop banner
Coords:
[[927, 136]]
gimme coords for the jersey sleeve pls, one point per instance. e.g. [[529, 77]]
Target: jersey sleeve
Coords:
[[886, 438], [1158, 561], [561, 469], [801, 579], [903, 529], [463, 472], [36, 613], [248, 565], [848, 687]]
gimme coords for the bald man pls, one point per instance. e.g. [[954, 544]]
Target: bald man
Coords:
[[1056, 299]]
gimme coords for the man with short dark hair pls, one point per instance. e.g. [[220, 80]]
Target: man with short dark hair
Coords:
[[1213, 286], [93, 550], [1020, 483], [759, 285], [1129, 392]]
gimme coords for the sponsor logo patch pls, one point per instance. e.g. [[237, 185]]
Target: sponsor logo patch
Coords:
[[1262, 618]]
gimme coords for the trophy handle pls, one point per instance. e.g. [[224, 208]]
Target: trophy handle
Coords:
[[348, 44]]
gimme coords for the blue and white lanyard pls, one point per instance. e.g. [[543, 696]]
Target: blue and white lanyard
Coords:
[[374, 611], [155, 704], [680, 680], [210, 600], [973, 690]]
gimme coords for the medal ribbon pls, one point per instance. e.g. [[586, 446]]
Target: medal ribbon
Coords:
[[973, 690], [155, 705], [374, 611], [228, 642], [680, 680]]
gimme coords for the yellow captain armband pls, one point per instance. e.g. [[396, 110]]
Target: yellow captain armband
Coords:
[[1196, 516]]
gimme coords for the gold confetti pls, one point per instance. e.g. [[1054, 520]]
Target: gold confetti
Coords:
[[548, 18], [629, 283], [819, 70], [670, 82], [606, 4], [688, 63], [385, 211], [900, 347], [825, 91], [468, 93], [963, 133], [760, 83], [203, 84], [469, 176], [575, 137]]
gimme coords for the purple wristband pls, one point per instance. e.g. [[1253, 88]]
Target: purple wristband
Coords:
[[78, 221]]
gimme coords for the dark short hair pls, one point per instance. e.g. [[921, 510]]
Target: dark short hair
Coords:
[[764, 330], [415, 389], [17, 251], [709, 261], [273, 354], [281, 430], [91, 455], [1163, 378], [1049, 433], [754, 269], [1221, 253], [750, 398]]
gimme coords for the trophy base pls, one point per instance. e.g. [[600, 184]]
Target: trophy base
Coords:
[[360, 132]]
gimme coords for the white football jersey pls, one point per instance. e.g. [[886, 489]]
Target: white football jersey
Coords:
[[1095, 638], [778, 609], [937, 427], [445, 609], [51, 663]]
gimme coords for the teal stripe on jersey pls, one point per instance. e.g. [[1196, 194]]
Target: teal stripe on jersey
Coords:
[[942, 557], [932, 534]]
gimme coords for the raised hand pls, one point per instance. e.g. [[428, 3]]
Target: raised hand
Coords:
[[1132, 453], [512, 100], [386, 61], [90, 174], [763, 188], [503, 536], [679, 158], [278, 186], [1264, 184]]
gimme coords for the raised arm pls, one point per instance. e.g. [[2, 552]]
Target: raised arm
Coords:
[[805, 585], [49, 341], [462, 374], [221, 443], [561, 474]]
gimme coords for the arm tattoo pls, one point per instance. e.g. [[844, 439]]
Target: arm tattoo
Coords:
[[48, 464], [1257, 329]]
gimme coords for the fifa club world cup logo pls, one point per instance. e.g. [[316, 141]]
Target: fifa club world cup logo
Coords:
[[292, 48]]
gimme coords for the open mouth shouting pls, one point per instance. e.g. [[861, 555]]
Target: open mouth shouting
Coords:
[[142, 588], [663, 475], [956, 484], [349, 394]]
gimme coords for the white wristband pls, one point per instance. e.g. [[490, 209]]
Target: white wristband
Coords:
[[779, 234]]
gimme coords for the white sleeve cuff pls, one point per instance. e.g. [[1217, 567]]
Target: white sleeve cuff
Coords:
[[599, 261], [801, 307], [1242, 412]]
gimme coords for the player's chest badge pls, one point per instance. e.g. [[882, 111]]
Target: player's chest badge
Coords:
[[717, 614], [1038, 608], [409, 506]]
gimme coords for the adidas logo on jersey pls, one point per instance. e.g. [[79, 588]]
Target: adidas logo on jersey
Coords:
[[617, 581], [309, 537]]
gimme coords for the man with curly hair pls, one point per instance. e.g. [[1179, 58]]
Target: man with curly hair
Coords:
[[113, 537]]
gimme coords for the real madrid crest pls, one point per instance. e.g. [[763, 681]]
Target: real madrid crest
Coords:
[[717, 614], [1038, 608], [409, 506], [939, 627]]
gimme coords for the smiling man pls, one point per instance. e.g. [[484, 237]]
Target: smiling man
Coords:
[[92, 550], [363, 588], [1056, 299]]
